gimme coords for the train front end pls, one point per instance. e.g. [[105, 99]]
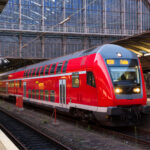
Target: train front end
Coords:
[[122, 90]]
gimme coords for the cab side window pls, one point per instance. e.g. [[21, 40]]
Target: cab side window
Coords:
[[90, 79]]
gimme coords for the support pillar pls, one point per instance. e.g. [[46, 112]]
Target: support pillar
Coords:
[[64, 45], [20, 17], [104, 16], [20, 45], [43, 45], [84, 16], [123, 23], [64, 16], [42, 15], [140, 16], [85, 43]]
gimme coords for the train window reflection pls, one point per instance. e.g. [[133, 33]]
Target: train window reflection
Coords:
[[125, 74]]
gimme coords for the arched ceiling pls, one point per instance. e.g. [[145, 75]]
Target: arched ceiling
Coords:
[[139, 44]]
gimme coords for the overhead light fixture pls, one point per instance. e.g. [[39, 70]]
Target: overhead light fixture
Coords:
[[147, 54], [4, 61]]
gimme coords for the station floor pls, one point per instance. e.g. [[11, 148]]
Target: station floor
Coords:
[[6, 143]]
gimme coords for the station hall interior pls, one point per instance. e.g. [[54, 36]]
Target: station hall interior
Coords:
[[32, 31], [35, 30]]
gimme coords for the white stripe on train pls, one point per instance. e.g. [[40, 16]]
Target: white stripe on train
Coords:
[[48, 76], [68, 106]]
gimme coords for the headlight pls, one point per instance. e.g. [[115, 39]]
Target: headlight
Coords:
[[136, 90], [118, 90]]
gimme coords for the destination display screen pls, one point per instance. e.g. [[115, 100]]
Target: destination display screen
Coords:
[[122, 62]]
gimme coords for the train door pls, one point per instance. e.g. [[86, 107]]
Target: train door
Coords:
[[62, 91], [24, 89]]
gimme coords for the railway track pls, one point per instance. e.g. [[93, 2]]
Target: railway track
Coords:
[[25, 136], [135, 135], [129, 135]]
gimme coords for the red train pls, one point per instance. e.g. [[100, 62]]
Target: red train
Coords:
[[105, 83]]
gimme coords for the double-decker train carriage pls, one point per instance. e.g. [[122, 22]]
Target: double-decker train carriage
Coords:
[[105, 83]]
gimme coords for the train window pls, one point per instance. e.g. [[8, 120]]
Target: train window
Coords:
[[47, 69], [33, 93], [13, 83], [33, 72], [75, 79], [17, 84], [53, 68], [59, 66], [26, 73], [20, 84], [52, 95], [37, 94], [65, 67], [90, 79], [46, 95], [37, 72], [41, 94], [30, 72], [42, 70], [29, 93]]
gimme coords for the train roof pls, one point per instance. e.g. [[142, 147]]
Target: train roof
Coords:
[[59, 59], [106, 52]]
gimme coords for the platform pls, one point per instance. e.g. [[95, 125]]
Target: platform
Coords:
[[6, 143]]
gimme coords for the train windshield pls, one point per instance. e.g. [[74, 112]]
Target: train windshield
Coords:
[[125, 75]]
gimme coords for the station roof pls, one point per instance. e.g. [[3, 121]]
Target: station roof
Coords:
[[2, 4], [139, 44]]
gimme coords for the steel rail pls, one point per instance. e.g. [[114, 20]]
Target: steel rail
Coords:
[[52, 140]]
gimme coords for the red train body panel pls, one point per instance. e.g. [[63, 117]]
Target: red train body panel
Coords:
[[86, 81]]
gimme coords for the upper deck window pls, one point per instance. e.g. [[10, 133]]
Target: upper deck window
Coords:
[[26, 73], [37, 72], [33, 72], [53, 68], [30, 72], [58, 70], [47, 69], [42, 70], [65, 67]]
